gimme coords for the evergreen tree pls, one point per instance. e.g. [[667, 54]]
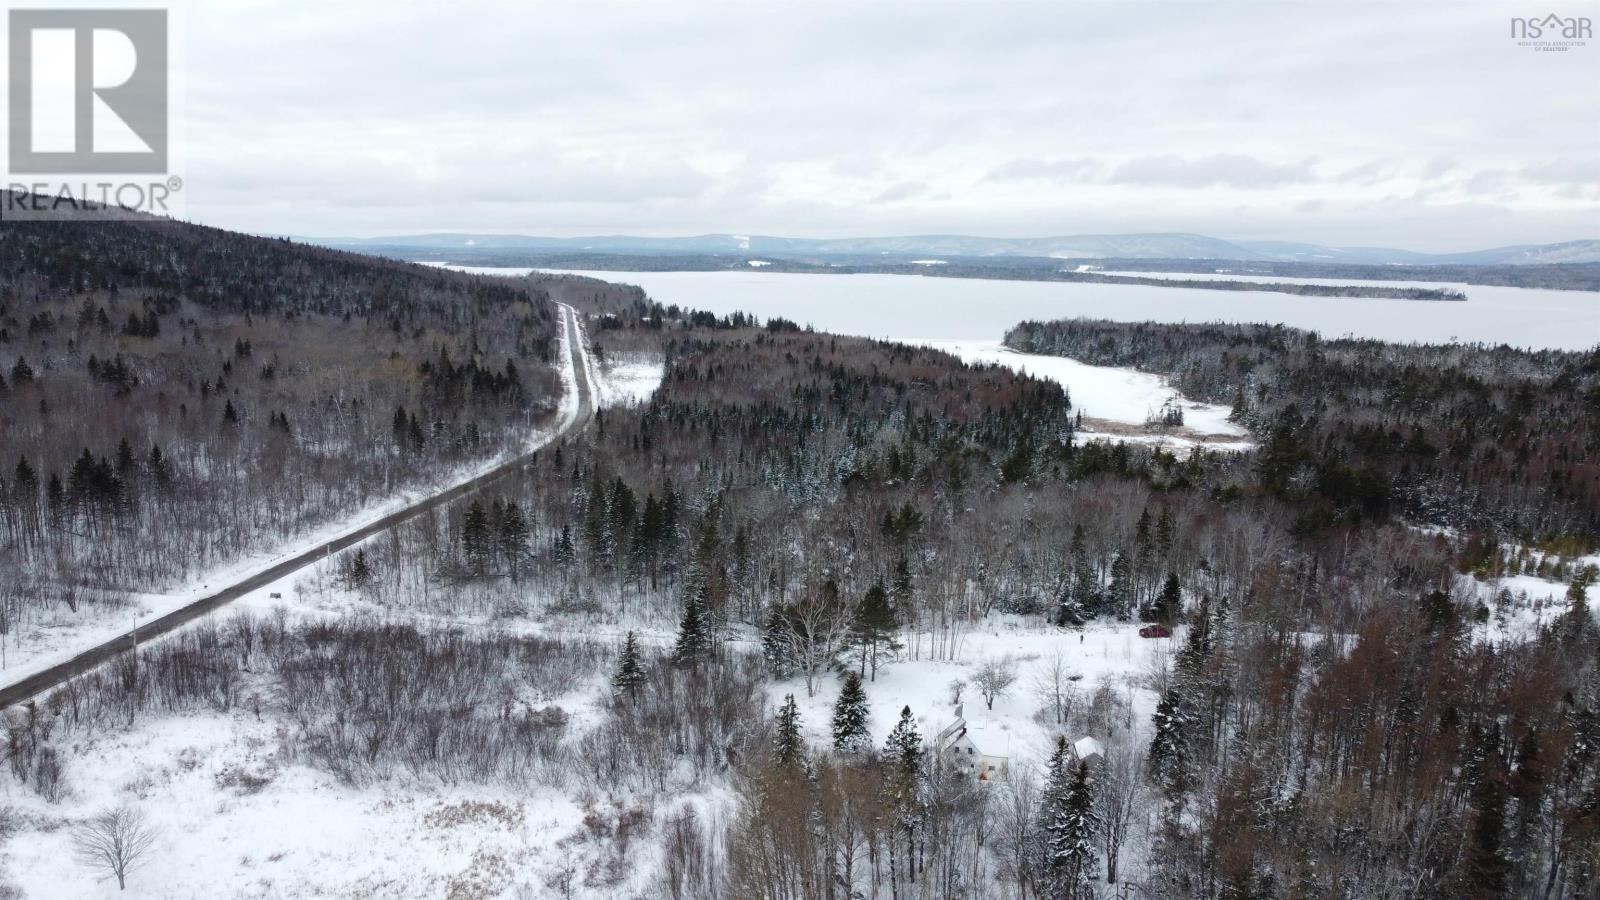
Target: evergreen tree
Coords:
[[1169, 603], [851, 717], [25, 484], [788, 747], [513, 538], [564, 552], [1069, 612], [1487, 866], [359, 573], [902, 782], [630, 671], [873, 628], [1120, 594], [1170, 752], [903, 752], [1438, 611], [125, 462], [1577, 620], [694, 632], [1164, 533], [475, 541], [1526, 785], [1070, 826], [1085, 586], [900, 586]]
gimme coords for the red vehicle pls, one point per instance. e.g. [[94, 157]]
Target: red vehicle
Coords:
[[1155, 631]]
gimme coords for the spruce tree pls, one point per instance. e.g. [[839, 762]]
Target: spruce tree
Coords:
[[1070, 824], [1085, 586], [902, 782], [513, 538], [564, 552], [25, 486], [1080, 830], [1170, 752], [1169, 604], [694, 633], [850, 717], [359, 573], [1120, 594], [475, 546], [1577, 619], [873, 627], [903, 749], [1487, 866], [1053, 819], [630, 672], [788, 747]]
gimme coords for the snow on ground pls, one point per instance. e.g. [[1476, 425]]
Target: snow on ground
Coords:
[[506, 271], [628, 379], [62, 634], [1111, 397], [301, 834], [1112, 654], [235, 819], [1535, 602]]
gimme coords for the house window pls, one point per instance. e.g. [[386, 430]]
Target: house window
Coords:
[[969, 751]]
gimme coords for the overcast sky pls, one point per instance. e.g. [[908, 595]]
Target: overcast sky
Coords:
[[1409, 124]]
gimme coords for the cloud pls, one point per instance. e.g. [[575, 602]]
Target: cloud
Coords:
[[1033, 118], [1566, 171], [900, 191], [1043, 169], [1366, 173], [1216, 170]]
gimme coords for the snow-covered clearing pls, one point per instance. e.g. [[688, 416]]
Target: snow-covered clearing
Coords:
[[1532, 603], [235, 819], [627, 379], [1109, 397], [1110, 655]]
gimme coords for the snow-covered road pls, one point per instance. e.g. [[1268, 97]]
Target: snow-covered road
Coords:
[[96, 645]]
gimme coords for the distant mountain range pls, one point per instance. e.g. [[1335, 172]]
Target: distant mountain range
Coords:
[[1083, 246]]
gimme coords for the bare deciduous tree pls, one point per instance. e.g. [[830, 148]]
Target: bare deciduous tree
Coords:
[[114, 842], [1057, 689], [994, 678]]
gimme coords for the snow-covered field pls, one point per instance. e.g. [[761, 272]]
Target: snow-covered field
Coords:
[[1102, 654], [627, 380], [233, 818], [1534, 602], [1110, 394]]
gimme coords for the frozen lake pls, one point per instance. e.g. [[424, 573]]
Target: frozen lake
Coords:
[[905, 307]]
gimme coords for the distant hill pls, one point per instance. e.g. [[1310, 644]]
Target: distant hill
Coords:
[[1083, 246]]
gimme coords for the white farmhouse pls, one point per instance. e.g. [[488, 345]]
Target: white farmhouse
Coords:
[[956, 748]]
